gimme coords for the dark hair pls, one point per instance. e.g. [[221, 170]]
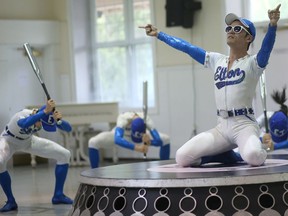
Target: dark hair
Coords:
[[248, 29], [281, 98], [248, 45]]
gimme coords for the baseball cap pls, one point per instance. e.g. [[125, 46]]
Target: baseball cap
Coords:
[[278, 124], [48, 122], [231, 17], [137, 130]]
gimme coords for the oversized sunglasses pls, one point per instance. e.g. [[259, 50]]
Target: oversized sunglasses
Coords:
[[237, 29]]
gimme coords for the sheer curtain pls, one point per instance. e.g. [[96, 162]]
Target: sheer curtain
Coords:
[[112, 56]]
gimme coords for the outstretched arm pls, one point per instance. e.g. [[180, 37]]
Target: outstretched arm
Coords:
[[30, 120], [35, 117], [119, 139], [195, 52], [269, 39]]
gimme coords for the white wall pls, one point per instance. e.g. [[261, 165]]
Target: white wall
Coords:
[[19, 85]]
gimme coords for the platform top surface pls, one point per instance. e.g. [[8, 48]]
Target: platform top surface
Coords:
[[276, 167]]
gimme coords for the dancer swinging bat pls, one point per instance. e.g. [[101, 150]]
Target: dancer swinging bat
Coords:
[[19, 135], [37, 71]]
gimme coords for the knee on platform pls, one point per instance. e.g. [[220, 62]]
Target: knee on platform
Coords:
[[255, 157]]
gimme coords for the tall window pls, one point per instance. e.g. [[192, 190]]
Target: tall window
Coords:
[[258, 9], [123, 52]]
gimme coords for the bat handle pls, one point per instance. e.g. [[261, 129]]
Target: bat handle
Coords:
[[266, 121], [145, 154], [145, 143]]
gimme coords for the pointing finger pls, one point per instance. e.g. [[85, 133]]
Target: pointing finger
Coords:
[[278, 7]]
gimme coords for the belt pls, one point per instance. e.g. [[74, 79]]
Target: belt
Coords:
[[10, 134], [234, 112]]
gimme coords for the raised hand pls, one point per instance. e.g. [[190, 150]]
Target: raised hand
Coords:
[[50, 105], [274, 15]]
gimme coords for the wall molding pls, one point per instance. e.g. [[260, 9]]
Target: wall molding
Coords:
[[39, 32]]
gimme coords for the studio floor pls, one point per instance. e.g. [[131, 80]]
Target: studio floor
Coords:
[[33, 189]]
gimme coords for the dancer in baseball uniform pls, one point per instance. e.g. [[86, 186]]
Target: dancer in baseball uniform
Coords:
[[235, 79], [18, 136], [278, 123], [133, 133]]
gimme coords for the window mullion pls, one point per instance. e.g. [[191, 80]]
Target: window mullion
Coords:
[[122, 57]]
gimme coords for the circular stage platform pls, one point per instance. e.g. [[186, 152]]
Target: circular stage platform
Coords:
[[160, 188]]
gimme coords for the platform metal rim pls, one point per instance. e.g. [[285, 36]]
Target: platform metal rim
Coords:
[[187, 182]]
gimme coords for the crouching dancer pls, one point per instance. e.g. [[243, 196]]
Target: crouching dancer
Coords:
[[18, 135]]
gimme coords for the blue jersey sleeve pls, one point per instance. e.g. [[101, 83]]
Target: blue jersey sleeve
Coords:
[[31, 119], [281, 145], [267, 45], [65, 126], [120, 140], [156, 141], [195, 52]]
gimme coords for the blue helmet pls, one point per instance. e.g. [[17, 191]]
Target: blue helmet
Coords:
[[278, 124], [137, 130]]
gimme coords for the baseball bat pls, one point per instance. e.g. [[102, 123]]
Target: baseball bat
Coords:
[[145, 107], [263, 94], [37, 72]]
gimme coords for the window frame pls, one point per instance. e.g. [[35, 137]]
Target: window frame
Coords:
[[129, 42]]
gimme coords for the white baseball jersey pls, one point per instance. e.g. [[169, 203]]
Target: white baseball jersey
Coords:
[[236, 88], [15, 138], [13, 127]]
